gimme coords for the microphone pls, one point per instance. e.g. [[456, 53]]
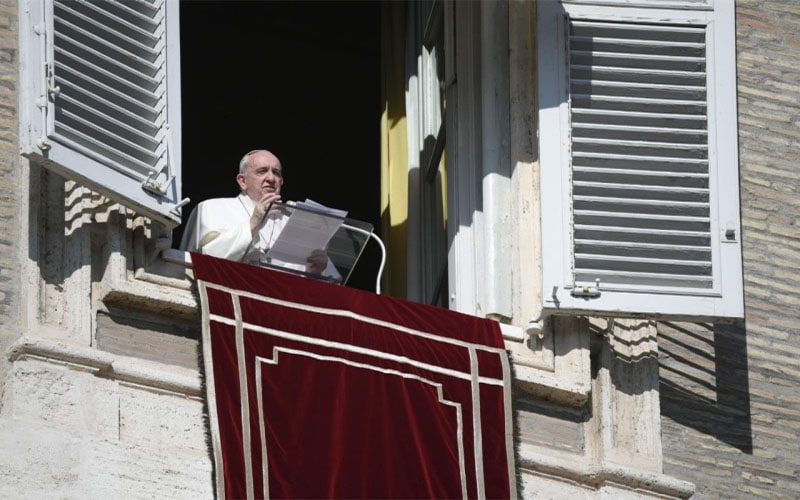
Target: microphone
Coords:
[[250, 245]]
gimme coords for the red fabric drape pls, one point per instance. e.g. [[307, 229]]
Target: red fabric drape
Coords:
[[322, 391]]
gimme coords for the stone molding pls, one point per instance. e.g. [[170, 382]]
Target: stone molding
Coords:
[[120, 368], [597, 476]]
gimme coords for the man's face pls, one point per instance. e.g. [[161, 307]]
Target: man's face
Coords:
[[262, 176]]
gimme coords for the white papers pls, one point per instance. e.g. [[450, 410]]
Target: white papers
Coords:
[[314, 206], [309, 228]]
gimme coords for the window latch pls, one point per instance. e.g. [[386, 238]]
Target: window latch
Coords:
[[156, 184], [586, 291]]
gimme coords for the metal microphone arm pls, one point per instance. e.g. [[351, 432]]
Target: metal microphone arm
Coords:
[[371, 234]]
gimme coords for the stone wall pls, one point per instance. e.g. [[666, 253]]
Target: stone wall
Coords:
[[730, 394], [77, 421]]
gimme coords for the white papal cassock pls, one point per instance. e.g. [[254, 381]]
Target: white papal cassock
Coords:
[[221, 227]]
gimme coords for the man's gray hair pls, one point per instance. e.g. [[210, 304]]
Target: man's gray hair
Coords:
[[246, 160]]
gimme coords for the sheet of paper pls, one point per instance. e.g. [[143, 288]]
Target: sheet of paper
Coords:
[[306, 231], [314, 206]]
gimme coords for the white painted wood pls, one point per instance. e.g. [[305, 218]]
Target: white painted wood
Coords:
[[103, 105], [498, 228], [425, 252], [463, 151], [638, 160]]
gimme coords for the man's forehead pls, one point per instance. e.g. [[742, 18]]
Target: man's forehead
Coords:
[[265, 160]]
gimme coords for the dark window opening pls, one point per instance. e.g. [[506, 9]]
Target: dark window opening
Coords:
[[301, 79]]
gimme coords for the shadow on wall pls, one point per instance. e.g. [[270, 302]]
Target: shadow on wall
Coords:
[[704, 380]]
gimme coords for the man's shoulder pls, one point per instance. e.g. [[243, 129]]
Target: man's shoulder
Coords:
[[219, 203], [228, 200], [221, 211]]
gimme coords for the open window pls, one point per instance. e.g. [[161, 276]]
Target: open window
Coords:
[[301, 79], [639, 166], [101, 98], [113, 89]]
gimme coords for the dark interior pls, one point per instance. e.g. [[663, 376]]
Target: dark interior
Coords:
[[301, 79]]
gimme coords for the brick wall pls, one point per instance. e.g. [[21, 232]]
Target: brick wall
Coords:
[[730, 394], [10, 193]]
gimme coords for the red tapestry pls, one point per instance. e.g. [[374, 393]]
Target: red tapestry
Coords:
[[322, 391]]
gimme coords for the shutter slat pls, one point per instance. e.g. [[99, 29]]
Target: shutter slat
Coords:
[[644, 280], [664, 201], [609, 173], [661, 45], [610, 117], [638, 134], [676, 236], [617, 246], [640, 162], [650, 75], [661, 191], [661, 93], [649, 251], [653, 220], [640, 148], [638, 104], [650, 31], [636, 262], [627, 59], [633, 216], [670, 267], [688, 106]]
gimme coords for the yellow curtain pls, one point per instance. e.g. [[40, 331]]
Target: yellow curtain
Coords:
[[394, 148]]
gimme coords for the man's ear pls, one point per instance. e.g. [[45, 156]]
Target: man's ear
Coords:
[[241, 182]]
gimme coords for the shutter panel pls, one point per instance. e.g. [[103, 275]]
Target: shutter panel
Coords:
[[111, 86], [636, 215], [640, 194]]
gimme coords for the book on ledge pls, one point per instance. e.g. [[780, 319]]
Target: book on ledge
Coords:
[[311, 227]]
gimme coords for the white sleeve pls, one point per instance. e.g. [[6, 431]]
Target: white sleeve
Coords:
[[229, 243], [218, 228]]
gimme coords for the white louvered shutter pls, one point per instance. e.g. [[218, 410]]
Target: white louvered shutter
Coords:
[[103, 98], [638, 160]]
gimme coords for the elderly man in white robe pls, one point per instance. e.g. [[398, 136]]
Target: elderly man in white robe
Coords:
[[239, 228]]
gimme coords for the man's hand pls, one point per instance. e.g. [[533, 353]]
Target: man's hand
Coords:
[[260, 210], [317, 262]]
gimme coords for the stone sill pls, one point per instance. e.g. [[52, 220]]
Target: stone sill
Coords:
[[123, 369], [596, 476], [175, 297]]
